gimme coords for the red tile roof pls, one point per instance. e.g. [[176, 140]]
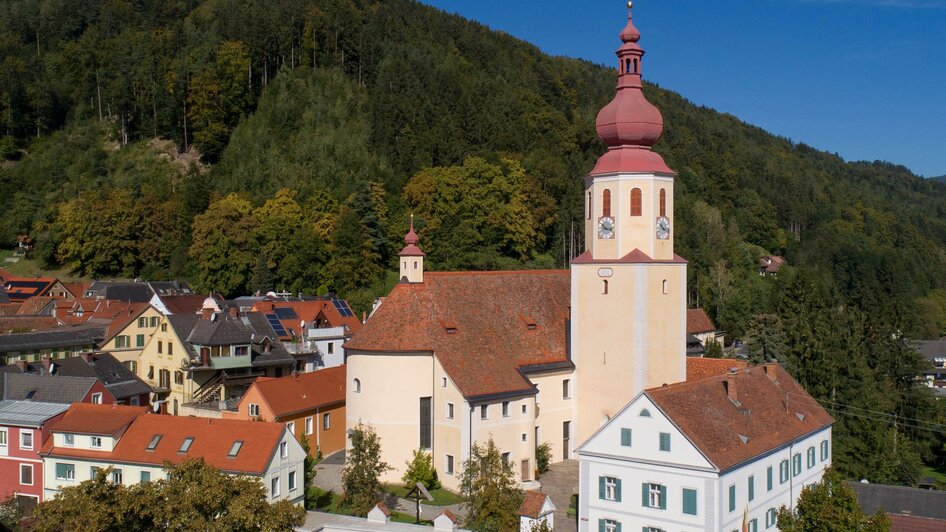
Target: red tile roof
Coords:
[[183, 304], [636, 256], [303, 392], [698, 322], [700, 368], [24, 323], [909, 523], [773, 410], [108, 420], [532, 503], [22, 288], [771, 263], [119, 315], [310, 312], [490, 341]]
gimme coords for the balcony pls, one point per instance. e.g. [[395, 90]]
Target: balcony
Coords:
[[230, 362], [325, 333]]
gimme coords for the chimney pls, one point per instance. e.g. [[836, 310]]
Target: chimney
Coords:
[[729, 384], [234, 312], [769, 370], [88, 357], [22, 365], [206, 313], [364, 316]]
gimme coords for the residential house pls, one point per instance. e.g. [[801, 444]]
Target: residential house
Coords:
[[24, 428], [178, 304], [377, 520], [54, 343], [536, 508], [135, 291], [137, 445], [700, 326], [313, 330], [310, 404], [700, 368], [125, 387], [909, 509], [19, 386], [704, 454], [769, 265], [20, 289], [934, 351], [128, 334]]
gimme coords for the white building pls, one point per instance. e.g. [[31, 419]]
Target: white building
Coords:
[[137, 444], [700, 455]]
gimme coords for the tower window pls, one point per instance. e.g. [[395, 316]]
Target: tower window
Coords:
[[636, 202], [606, 203], [627, 66], [663, 202], [405, 265], [666, 287], [356, 385], [604, 286], [635, 66], [415, 264], [589, 204]]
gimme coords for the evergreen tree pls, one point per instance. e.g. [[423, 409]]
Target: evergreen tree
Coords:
[[420, 469], [489, 490], [363, 468], [765, 339]]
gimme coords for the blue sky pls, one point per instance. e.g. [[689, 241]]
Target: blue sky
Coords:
[[862, 78]]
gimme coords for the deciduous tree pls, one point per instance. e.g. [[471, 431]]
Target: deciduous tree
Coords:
[[363, 469], [490, 491]]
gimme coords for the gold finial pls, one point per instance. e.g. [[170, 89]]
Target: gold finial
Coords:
[[630, 5]]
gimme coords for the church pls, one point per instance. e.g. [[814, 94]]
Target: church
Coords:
[[531, 357]]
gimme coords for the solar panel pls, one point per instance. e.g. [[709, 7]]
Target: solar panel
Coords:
[[286, 313], [277, 326], [342, 308]]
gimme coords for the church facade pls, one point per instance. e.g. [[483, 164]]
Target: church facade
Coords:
[[450, 359]]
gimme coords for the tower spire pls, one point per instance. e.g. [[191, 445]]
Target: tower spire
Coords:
[[411, 258], [630, 125]]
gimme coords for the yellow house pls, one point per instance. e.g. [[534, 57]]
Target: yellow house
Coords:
[[127, 336]]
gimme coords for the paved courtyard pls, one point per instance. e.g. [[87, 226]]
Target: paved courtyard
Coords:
[[560, 482]]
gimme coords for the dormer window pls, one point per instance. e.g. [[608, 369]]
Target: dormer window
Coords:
[[241, 350], [186, 444], [449, 326], [530, 322]]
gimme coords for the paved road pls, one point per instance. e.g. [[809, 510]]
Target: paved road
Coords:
[[560, 482]]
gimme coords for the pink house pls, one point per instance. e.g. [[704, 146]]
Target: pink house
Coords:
[[24, 428]]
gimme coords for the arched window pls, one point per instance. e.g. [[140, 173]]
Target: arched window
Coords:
[[604, 286], [636, 202], [645, 413], [627, 66], [606, 203], [589, 204], [405, 265], [356, 385], [635, 66], [415, 264], [663, 202], [666, 287]]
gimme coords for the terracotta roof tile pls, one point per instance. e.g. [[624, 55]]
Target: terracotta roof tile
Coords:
[[301, 392], [700, 368], [27, 323], [86, 418], [490, 341], [909, 523], [532, 503], [183, 304], [310, 312], [773, 410], [698, 322]]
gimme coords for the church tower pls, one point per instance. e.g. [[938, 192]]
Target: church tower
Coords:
[[411, 258], [628, 289]]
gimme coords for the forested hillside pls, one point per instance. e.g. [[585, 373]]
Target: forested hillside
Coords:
[[250, 145]]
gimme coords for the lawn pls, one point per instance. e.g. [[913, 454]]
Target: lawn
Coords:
[[32, 268], [935, 474], [442, 497], [331, 502]]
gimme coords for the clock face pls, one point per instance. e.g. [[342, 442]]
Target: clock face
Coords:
[[663, 228], [606, 227]]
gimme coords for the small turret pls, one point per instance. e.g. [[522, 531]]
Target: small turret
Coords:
[[411, 258]]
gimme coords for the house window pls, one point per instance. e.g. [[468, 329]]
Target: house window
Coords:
[[824, 450], [732, 498], [449, 464], [274, 487], [291, 427], [26, 474], [566, 389], [142, 322], [68, 440], [505, 408], [426, 418], [235, 449], [121, 341], [484, 412], [506, 459], [95, 442], [3, 438], [524, 409], [783, 472], [609, 489], [154, 321], [331, 348], [170, 349], [139, 340], [636, 202], [663, 202], [151, 372], [26, 439], [164, 327], [179, 377], [254, 410], [589, 205], [116, 476], [292, 480], [811, 457], [146, 476], [654, 495], [65, 472], [644, 413], [327, 421], [796, 464], [666, 287], [239, 350], [606, 203], [96, 398], [625, 437], [153, 444], [665, 441], [525, 437], [751, 487], [131, 365], [283, 450], [443, 382], [164, 378], [609, 525], [449, 410], [308, 425], [689, 501], [753, 525], [771, 516], [160, 347], [356, 385], [768, 478], [604, 286], [186, 444]]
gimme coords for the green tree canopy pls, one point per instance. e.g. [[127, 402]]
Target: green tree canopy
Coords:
[[490, 491], [830, 505]]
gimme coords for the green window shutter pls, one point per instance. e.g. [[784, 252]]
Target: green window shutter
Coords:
[[751, 487], [601, 526], [663, 497], [60, 471], [768, 479], [732, 498], [617, 490], [617, 528], [625, 437], [664, 441], [645, 500], [601, 487], [139, 340], [689, 501]]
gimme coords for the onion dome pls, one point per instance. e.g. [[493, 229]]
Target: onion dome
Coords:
[[411, 239], [630, 125]]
